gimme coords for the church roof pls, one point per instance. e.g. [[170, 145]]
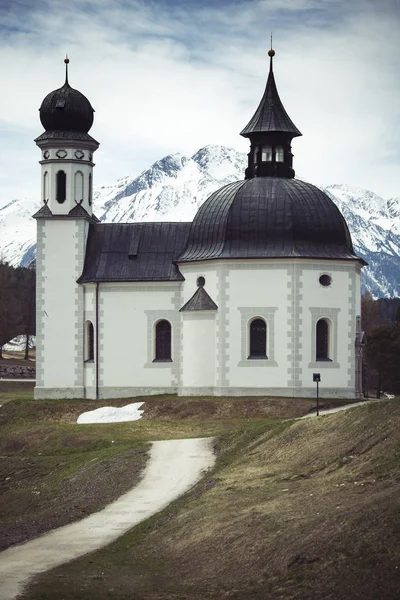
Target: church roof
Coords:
[[134, 252], [199, 301], [43, 212], [270, 116], [268, 217]]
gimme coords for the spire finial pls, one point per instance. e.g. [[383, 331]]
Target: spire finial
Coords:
[[271, 54], [66, 60]]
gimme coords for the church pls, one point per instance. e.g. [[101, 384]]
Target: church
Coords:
[[253, 298]]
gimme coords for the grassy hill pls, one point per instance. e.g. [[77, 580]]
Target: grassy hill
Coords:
[[300, 509]]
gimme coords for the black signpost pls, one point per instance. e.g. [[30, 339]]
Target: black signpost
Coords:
[[317, 379]]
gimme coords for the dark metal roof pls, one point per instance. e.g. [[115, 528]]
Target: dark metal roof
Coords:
[[199, 301], [268, 217], [78, 211], [270, 116], [43, 213], [66, 135], [134, 252], [66, 109]]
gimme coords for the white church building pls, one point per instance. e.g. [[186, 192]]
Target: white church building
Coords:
[[258, 293]]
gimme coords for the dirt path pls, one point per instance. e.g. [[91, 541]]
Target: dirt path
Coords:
[[174, 467], [329, 411]]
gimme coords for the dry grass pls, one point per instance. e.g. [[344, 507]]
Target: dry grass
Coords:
[[299, 510]]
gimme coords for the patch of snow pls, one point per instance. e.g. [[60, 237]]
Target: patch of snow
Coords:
[[112, 414], [18, 343]]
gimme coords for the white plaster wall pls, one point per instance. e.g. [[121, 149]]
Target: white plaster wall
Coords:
[[126, 350], [198, 358], [341, 297], [59, 305], [254, 285]]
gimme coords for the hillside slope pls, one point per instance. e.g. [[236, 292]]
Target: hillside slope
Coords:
[[304, 510]]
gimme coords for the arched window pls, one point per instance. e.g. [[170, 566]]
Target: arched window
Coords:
[[266, 154], [45, 186], [78, 186], [258, 339], [61, 187], [255, 155], [322, 340], [89, 341], [90, 190], [279, 154], [163, 341]]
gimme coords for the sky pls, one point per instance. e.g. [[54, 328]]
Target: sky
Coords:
[[168, 76]]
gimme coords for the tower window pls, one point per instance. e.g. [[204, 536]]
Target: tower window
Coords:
[[163, 341], [61, 186], [90, 190], [45, 186], [325, 280], [266, 154], [258, 339], [255, 155], [322, 340], [279, 154], [78, 186], [89, 341]]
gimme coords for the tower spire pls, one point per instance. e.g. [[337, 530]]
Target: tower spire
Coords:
[[66, 60], [271, 54], [270, 131]]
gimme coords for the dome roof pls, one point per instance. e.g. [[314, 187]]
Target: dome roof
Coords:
[[268, 217], [66, 109]]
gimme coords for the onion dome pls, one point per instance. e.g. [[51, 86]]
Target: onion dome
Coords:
[[66, 109], [268, 217]]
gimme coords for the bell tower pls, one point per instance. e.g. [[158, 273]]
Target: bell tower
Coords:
[[270, 131], [67, 150], [62, 228]]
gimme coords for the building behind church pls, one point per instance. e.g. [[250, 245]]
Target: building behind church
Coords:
[[259, 292]]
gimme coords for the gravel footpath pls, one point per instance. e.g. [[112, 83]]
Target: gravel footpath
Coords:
[[174, 467]]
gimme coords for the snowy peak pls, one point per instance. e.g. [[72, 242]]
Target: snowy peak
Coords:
[[221, 163], [18, 231], [172, 188], [369, 206]]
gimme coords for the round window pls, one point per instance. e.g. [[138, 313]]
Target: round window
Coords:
[[325, 280], [201, 281]]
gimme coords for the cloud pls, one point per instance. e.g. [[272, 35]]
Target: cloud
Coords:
[[173, 76]]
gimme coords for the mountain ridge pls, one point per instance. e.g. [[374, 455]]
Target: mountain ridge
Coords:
[[174, 187]]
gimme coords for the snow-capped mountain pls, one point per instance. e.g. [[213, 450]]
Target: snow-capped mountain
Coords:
[[174, 187]]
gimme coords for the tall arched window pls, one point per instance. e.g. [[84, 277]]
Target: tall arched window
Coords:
[[90, 189], [279, 154], [255, 155], [258, 339], [78, 186], [322, 340], [61, 186], [45, 186], [89, 341], [266, 154], [163, 341]]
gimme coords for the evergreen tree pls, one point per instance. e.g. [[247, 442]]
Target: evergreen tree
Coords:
[[17, 303]]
